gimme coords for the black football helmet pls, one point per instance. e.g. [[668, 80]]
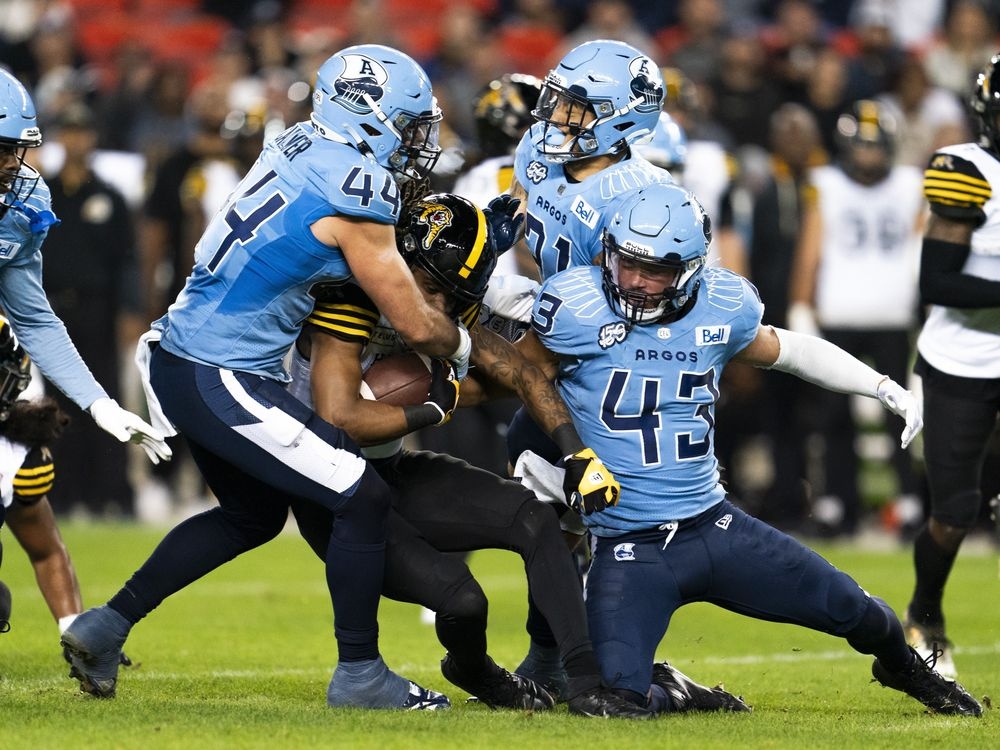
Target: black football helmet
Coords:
[[866, 140], [15, 368], [449, 237], [985, 102], [503, 112]]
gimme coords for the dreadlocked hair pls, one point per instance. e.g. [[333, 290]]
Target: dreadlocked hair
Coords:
[[34, 423], [412, 190]]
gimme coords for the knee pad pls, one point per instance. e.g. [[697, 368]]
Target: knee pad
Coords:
[[465, 602], [960, 511], [875, 627]]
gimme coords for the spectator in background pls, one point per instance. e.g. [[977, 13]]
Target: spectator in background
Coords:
[[794, 41], [90, 277], [692, 44], [158, 123], [854, 282], [743, 95], [825, 95], [928, 117], [875, 55], [190, 184], [966, 43], [610, 19], [760, 218]]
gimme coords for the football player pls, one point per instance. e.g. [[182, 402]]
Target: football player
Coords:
[[27, 472], [853, 280], [958, 354], [639, 345], [318, 205], [25, 219], [445, 505]]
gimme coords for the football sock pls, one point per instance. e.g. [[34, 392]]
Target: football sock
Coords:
[[933, 564], [367, 684]]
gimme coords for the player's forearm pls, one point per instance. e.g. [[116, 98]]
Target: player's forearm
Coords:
[[57, 581]]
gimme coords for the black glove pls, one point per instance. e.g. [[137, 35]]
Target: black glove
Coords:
[[443, 394], [504, 225], [588, 484]]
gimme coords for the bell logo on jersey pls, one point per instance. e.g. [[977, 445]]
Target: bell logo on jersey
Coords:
[[584, 212], [537, 172], [625, 551], [611, 334], [711, 335], [361, 82], [9, 249]]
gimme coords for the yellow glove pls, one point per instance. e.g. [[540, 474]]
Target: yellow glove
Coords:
[[588, 484]]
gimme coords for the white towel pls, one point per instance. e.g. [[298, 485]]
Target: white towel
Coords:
[[546, 481], [142, 354]]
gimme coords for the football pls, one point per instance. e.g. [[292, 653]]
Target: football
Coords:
[[400, 379]]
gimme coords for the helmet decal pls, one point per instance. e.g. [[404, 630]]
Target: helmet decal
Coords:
[[437, 218], [363, 80], [646, 84]]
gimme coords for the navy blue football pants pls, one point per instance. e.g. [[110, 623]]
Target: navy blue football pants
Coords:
[[259, 448], [731, 559]]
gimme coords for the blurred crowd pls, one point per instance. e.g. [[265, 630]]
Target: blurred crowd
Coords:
[[166, 103]]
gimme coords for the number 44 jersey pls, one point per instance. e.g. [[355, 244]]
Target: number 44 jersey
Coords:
[[248, 295], [644, 398]]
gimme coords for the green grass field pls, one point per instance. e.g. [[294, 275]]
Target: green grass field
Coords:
[[241, 659]]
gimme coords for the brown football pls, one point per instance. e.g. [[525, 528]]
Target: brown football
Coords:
[[399, 379]]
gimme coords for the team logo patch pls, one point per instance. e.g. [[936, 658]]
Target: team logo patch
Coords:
[[537, 172], [625, 551], [363, 78], [663, 334], [437, 218], [9, 249], [942, 161], [584, 212], [723, 523], [711, 335], [611, 334]]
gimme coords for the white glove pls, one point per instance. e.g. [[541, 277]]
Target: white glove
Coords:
[[128, 427], [903, 403], [802, 319], [460, 358]]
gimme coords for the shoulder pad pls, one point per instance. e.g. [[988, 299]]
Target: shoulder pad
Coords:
[[955, 188]]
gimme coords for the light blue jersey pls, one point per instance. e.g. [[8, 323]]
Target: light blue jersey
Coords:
[[644, 399], [248, 295], [564, 218], [23, 229]]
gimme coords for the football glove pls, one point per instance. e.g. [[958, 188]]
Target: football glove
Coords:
[[505, 223], [128, 427], [444, 389], [588, 484], [903, 403]]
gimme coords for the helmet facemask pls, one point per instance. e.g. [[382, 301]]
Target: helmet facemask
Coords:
[[677, 280], [17, 177], [569, 119], [985, 102], [419, 147]]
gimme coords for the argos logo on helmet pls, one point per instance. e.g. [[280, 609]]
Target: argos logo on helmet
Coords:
[[362, 79], [646, 84], [437, 218]]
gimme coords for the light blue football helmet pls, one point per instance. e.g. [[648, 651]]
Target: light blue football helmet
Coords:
[[668, 146], [18, 132], [379, 100], [660, 233], [601, 97]]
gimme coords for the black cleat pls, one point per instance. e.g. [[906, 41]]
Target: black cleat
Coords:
[[4, 607], [688, 695], [603, 703], [920, 681], [498, 688]]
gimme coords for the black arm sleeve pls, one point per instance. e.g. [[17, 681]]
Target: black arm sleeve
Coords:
[[943, 283]]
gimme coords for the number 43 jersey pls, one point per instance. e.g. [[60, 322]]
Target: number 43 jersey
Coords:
[[248, 294], [644, 398]]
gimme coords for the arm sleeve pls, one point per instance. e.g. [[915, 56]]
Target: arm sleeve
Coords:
[[35, 478], [42, 333], [825, 364], [955, 189]]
